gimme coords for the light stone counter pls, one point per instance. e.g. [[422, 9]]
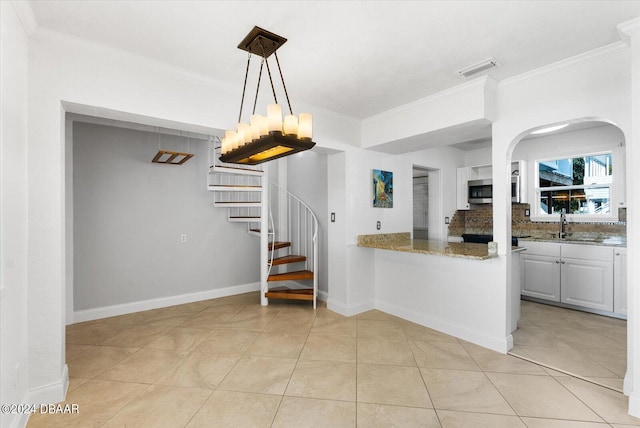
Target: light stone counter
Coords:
[[403, 242]]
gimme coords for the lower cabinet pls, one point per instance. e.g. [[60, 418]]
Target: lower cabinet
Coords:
[[574, 274]]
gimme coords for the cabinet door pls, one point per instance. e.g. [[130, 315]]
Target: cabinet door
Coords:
[[540, 276], [587, 283], [620, 281], [462, 193]]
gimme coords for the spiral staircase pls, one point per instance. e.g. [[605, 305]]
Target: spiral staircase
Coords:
[[286, 226]]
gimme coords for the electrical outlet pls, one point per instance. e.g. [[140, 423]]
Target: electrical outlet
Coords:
[[378, 225], [446, 220], [183, 238], [333, 217]]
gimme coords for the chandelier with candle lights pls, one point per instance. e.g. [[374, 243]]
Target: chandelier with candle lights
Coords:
[[268, 137]]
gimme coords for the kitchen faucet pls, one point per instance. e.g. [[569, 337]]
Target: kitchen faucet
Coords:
[[563, 222]]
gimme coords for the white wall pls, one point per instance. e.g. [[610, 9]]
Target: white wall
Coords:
[[129, 214], [13, 213]]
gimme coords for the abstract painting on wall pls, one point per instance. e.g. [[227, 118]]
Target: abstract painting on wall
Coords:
[[382, 189]]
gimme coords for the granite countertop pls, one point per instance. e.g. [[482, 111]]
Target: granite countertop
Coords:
[[403, 242], [613, 241]]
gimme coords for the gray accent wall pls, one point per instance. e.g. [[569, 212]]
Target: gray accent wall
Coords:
[[129, 214]]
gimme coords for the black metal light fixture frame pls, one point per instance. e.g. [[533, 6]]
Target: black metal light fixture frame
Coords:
[[276, 144]]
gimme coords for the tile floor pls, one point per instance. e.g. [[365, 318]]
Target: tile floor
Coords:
[[590, 346], [231, 363]]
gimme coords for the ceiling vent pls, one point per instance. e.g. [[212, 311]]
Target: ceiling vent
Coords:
[[478, 67]]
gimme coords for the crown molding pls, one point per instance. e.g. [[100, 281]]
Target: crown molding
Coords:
[[629, 29], [582, 58], [26, 16], [484, 81]]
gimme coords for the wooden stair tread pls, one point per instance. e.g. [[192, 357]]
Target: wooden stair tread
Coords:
[[291, 276], [287, 259], [291, 294], [277, 245]]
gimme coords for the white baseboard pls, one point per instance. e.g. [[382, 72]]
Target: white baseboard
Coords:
[[627, 383], [47, 394], [161, 302], [634, 404], [499, 344], [349, 310]]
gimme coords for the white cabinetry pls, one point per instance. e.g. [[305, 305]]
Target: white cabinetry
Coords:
[[587, 276], [572, 274], [620, 281], [462, 193], [540, 270]]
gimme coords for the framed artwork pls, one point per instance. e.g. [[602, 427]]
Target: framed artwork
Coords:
[[382, 189]]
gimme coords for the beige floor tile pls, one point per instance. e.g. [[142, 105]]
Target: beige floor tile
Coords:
[[442, 355], [231, 342], [330, 348], [377, 315], [334, 326], [210, 320], [452, 419], [199, 370], [536, 336], [379, 415], [180, 339], [616, 384], [136, 337], [227, 409], [612, 406], [190, 308], [92, 333], [75, 382], [464, 391], [283, 345], [492, 361], [263, 375], [401, 386], [556, 423], [568, 359], [382, 351], [251, 318], [97, 359], [584, 338], [380, 329], [295, 412], [167, 319], [416, 332], [129, 320], [97, 400], [541, 396], [323, 379], [72, 350], [145, 366], [615, 362], [294, 324], [161, 406]]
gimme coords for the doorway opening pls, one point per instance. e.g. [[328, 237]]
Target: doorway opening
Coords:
[[426, 203]]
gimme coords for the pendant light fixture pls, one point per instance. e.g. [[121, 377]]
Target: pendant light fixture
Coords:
[[270, 136]]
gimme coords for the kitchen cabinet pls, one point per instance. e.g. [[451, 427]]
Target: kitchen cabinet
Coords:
[[540, 271], [571, 274], [462, 191], [620, 281]]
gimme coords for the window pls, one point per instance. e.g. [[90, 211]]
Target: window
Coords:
[[577, 185]]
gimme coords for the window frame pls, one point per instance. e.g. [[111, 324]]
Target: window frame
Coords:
[[536, 190]]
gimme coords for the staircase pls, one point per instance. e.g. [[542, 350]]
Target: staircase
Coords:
[[289, 248]]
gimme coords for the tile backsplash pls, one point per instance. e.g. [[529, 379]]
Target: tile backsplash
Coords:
[[480, 221]]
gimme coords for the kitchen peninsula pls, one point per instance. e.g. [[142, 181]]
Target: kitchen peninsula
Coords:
[[403, 242], [456, 288]]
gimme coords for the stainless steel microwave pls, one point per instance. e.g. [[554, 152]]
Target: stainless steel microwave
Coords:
[[481, 191]]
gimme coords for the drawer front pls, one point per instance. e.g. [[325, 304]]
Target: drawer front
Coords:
[[587, 252], [550, 249]]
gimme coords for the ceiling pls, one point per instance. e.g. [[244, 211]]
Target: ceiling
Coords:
[[357, 58]]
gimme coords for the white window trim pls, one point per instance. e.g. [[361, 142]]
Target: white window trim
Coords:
[[614, 199]]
